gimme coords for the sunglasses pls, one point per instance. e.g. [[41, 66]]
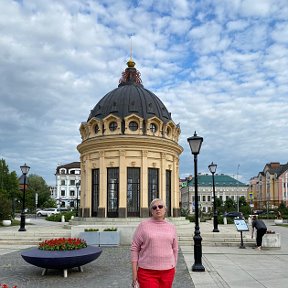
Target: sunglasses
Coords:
[[154, 207]]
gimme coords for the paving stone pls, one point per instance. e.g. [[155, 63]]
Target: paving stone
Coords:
[[111, 269]]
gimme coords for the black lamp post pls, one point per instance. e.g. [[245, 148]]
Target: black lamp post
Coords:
[[77, 205], [195, 143], [212, 168], [25, 170]]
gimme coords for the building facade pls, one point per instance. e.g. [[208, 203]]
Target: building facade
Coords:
[[270, 186], [225, 187], [129, 153], [68, 190]]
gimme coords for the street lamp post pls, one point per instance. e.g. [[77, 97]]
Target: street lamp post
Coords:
[[77, 204], [212, 168], [195, 143], [25, 169]]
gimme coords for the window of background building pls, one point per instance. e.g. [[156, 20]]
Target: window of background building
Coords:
[[72, 193], [62, 182], [209, 198], [204, 198], [62, 192], [72, 182]]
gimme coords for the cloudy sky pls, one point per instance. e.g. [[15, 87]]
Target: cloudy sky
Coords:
[[220, 67]]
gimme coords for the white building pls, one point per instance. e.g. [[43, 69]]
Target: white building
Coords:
[[68, 187]]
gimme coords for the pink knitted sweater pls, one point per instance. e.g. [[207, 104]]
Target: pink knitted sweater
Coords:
[[155, 245]]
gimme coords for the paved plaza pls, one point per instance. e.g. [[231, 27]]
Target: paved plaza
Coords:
[[225, 266]]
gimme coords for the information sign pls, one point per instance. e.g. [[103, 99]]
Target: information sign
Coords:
[[241, 225]]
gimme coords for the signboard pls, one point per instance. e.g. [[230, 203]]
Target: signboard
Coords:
[[241, 225]]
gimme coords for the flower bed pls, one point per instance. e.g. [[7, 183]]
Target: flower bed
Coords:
[[62, 244]]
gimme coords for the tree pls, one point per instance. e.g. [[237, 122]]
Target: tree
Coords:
[[9, 187], [8, 181], [229, 205], [219, 205], [36, 184]]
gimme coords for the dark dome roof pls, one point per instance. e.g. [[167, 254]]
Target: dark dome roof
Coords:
[[130, 98]]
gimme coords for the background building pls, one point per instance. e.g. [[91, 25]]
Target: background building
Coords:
[[129, 153], [225, 187], [270, 187], [67, 176]]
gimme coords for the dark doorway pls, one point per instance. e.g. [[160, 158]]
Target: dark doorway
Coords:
[[168, 192], [95, 192], [153, 184], [112, 192], [133, 192]]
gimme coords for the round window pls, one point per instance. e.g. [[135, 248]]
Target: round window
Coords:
[[113, 126], [96, 129], [168, 131], [153, 127], [133, 126]]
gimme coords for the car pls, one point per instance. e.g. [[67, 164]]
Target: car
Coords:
[[234, 214], [47, 212], [258, 212]]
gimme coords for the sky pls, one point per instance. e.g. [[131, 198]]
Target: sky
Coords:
[[220, 68]]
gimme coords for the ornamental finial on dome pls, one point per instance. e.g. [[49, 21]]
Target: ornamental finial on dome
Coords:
[[131, 63], [131, 75]]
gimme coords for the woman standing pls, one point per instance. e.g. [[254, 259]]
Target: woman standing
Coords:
[[154, 250]]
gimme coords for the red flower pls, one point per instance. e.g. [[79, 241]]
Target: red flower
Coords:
[[62, 244]]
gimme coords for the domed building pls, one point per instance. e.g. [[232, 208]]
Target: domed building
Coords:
[[129, 153]]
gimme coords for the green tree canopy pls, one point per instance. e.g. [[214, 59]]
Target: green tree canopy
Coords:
[[9, 185], [36, 184], [230, 205]]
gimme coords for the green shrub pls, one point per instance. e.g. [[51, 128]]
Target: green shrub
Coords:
[[58, 217], [91, 229], [191, 217], [110, 229]]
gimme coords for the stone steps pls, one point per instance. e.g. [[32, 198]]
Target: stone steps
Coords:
[[185, 230]]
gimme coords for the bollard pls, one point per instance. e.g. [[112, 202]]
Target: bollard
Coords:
[[225, 220], [250, 220], [62, 218]]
